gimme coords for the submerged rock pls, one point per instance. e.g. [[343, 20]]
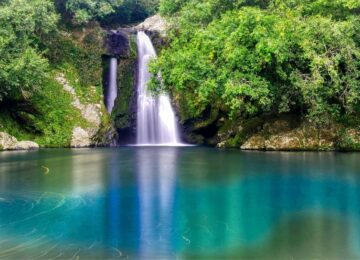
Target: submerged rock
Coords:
[[9, 142]]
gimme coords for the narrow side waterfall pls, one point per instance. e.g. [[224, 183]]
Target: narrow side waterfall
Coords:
[[112, 87], [156, 121]]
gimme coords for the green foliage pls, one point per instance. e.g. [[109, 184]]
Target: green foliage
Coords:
[[170, 7], [48, 120], [108, 12], [82, 49], [131, 11], [85, 10], [23, 24], [253, 57], [57, 117], [33, 106]]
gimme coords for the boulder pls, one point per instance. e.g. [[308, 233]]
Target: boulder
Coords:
[[153, 24], [8, 142], [91, 113], [26, 145], [80, 138]]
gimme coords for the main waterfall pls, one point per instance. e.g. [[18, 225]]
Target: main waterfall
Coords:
[[156, 121], [112, 86]]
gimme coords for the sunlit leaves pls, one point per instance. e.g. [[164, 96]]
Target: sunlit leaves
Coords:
[[23, 23], [85, 10], [253, 57]]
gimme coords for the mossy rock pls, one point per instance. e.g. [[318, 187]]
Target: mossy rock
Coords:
[[290, 133], [234, 133], [349, 139], [124, 112]]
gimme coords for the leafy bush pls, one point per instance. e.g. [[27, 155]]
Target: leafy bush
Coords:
[[23, 68], [85, 10], [253, 57], [33, 51], [108, 12]]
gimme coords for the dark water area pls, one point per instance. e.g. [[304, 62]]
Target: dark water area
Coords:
[[179, 203]]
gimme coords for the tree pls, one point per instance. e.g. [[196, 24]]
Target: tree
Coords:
[[23, 23], [86, 10], [252, 57]]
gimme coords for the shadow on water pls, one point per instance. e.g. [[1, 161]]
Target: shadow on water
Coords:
[[186, 202]]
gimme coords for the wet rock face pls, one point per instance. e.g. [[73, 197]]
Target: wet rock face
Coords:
[[118, 44], [124, 113]]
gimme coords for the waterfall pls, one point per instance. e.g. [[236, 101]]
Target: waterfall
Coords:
[[156, 121], [112, 87]]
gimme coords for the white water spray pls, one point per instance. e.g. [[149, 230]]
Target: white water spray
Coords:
[[112, 88], [156, 121]]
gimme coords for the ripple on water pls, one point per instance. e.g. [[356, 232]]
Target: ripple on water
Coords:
[[31, 228]]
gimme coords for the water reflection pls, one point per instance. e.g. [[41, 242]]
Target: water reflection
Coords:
[[157, 180], [179, 202]]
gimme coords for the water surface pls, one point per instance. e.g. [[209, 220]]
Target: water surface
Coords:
[[184, 203]]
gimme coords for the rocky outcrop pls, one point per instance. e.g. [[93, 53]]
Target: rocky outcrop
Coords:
[[123, 114], [255, 142], [153, 24], [92, 114], [117, 43], [156, 28], [26, 145], [8, 142], [80, 138], [349, 139], [280, 136]]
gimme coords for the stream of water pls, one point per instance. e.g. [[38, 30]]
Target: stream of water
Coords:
[[112, 87], [156, 121]]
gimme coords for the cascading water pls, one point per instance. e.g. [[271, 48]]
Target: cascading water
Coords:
[[156, 121], [112, 87]]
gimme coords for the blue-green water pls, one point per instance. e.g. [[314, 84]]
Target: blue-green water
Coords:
[[184, 203]]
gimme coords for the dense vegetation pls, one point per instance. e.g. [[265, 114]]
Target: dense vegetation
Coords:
[[245, 58], [107, 12], [42, 39], [224, 61]]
